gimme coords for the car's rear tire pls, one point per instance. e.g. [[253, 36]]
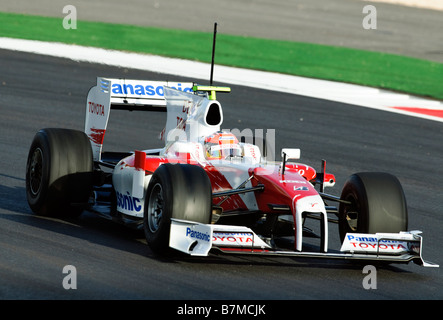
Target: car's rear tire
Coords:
[[378, 204], [179, 191], [59, 172]]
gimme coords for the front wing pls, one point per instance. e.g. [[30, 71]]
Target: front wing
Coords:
[[198, 239]]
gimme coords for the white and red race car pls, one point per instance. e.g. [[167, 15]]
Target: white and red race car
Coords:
[[207, 189]]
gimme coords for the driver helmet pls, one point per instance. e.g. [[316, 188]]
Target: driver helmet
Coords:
[[221, 145]]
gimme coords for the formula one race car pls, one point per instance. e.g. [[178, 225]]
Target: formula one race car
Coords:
[[208, 189]]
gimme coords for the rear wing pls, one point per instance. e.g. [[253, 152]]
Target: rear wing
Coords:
[[123, 94]]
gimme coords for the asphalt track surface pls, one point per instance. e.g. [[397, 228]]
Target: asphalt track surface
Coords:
[[113, 262]]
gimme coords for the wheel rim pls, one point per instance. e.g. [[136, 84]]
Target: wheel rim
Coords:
[[351, 214], [36, 171], [155, 208]]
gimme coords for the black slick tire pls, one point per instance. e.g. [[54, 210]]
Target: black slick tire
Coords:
[[180, 191], [59, 172], [378, 204]]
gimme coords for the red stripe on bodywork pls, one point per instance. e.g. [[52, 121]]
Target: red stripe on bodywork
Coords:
[[97, 135], [140, 160], [220, 183]]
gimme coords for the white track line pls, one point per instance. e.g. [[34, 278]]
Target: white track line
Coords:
[[322, 89]]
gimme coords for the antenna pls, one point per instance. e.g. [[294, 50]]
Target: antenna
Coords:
[[213, 54], [211, 90]]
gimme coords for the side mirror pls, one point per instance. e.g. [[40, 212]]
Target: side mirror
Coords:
[[288, 153]]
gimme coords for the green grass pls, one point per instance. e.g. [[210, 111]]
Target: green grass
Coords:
[[375, 69]]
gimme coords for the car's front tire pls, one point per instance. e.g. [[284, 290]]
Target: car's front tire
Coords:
[[180, 191], [378, 204]]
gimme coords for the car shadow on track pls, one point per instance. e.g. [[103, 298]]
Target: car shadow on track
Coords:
[[89, 227], [218, 258]]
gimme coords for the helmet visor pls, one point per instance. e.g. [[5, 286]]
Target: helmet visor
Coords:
[[225, 151]]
